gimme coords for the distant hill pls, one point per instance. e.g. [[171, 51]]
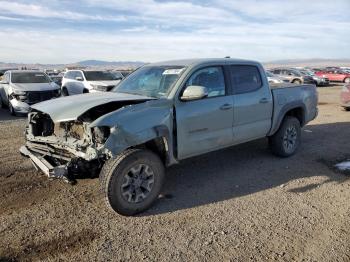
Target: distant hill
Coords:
[[100, 64], [107, 63]]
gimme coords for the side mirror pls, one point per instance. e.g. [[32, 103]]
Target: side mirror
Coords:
[[194, 93], [79, 78]]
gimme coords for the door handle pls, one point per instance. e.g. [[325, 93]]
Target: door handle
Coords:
[[225, 107], [263, 100]]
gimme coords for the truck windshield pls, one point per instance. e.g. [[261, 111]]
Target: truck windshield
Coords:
[[101, 76], [153, 81], [29, 77]]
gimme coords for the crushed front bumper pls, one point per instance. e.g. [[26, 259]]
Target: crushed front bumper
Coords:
[[41, 163]]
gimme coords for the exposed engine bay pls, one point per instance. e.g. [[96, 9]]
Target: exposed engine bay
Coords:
[[70, 147]]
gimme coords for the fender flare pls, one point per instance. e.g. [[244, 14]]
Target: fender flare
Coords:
[[285, 109], [120, 140]]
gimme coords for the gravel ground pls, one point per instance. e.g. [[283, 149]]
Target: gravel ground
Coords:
[[239, 204]]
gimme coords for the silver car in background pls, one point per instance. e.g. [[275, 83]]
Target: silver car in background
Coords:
[[19, 89], [275, 79]]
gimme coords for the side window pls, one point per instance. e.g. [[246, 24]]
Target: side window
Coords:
[[74, 75], [68, 75], [78, 74], [245, 78], [210, 77], [7, 77]]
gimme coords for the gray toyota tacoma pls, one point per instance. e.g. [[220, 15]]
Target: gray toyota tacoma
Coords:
[[159, 115]]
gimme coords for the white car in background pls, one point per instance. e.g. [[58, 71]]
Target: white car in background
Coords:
[[76, 82]]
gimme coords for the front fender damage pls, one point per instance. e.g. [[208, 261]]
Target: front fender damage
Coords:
[[76, 146]]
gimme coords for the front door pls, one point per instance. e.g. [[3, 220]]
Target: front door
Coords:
[[206, 124]]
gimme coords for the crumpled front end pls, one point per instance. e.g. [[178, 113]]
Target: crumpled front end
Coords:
[[63, 147]]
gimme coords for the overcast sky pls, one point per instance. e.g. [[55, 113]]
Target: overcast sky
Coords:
[[64, 31]]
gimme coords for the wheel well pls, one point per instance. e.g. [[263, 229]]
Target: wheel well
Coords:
[[158, 146], [298, 113]]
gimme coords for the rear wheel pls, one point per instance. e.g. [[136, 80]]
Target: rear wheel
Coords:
[[132, 181], [286, 140], [65, 91]]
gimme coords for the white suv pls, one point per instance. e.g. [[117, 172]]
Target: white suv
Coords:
[[86, 81]]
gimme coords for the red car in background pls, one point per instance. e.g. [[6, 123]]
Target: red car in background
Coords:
[[335, 75], [345, 97]]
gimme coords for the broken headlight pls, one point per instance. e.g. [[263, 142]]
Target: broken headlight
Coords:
[[100, 134], [19, 95]]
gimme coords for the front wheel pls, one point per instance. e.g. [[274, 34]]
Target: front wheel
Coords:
[[286, 140], [132, 181], [64, 91]]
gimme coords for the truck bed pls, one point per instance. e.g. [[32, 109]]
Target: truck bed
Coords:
[[287, 96]]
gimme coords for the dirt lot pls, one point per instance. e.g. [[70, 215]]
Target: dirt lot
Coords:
[[237, 204]]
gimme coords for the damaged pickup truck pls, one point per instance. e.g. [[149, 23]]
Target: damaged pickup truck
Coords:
[[159, 115]]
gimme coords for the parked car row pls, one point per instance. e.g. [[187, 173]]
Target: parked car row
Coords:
[[19, 89]]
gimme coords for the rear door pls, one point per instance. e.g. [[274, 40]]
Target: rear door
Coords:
[[206, 124], [252, 101]]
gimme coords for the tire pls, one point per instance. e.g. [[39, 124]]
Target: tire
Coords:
[[297, 82], [347, 108], [2, 105], [132, 181], [286, 140], [347, 80], [65, 91]]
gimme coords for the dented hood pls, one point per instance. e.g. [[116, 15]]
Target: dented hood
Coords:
[[71, 107]]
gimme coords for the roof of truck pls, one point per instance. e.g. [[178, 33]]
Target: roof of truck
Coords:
[[196, 61]]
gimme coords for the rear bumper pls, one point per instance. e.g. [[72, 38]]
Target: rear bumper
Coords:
[[40, 163]]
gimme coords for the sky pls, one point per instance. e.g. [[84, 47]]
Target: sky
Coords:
[[65, 31]]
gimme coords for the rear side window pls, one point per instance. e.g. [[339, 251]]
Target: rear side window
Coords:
[[245, 78]]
